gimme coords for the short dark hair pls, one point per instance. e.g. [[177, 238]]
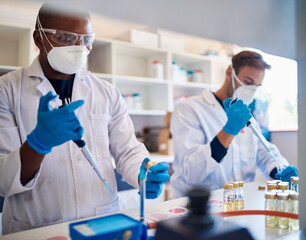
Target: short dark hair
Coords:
[[249, 58], [48, 11]]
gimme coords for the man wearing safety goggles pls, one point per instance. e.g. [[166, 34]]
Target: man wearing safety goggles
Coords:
[[44, 176], [217, 145]]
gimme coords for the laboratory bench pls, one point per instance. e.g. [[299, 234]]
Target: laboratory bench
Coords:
[[254, 200]]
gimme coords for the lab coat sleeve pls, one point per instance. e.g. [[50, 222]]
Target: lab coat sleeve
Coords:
[[127, 151], [264, 161], [10, 164], [192, 148]]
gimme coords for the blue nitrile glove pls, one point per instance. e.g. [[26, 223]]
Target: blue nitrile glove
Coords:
[[157, 176], [238, 114], [54, 127], [287, 173]]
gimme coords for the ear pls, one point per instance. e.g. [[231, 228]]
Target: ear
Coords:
[[37, 40], [229, 73]]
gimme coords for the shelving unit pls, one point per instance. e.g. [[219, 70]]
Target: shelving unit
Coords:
[[128, 67]]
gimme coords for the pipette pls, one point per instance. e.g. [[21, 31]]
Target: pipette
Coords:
[[82, 145], [259, 136], [142, 189]]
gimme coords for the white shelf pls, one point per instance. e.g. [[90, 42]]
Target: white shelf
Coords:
[[5, 69], [139, 80], [191, 85], [147, 112], [161, 158]]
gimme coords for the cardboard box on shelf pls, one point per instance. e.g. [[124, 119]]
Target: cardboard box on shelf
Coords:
[[139, 37], [165, 145], [171, 43]]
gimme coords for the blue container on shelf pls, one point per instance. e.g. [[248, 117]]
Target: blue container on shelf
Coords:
[[116, 226]]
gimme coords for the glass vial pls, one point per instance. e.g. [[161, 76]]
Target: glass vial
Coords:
[[282, 206], [296, 184], [235, 195], [270, 204], [294, 208], [271, 186], [227, 197], [283, 186], [241, 195]]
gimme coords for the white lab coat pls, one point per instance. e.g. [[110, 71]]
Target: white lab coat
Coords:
[[65, 187], [194, 124]]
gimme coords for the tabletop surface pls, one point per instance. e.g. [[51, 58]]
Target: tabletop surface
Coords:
[[254, 200]]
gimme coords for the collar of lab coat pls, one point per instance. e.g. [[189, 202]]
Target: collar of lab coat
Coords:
[[209, 97], [81, 83]]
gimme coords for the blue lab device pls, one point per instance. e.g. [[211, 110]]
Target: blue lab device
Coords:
[[116, 226]]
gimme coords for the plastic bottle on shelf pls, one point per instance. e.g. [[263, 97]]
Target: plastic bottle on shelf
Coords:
[[129, 101], [157, 70], [183, 75], [189, 76], [198, 76], [175, 72], [137, 101]]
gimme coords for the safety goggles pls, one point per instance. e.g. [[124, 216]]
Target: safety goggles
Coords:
[[69, 38]]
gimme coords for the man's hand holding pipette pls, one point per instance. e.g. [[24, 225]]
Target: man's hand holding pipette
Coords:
[[54, 127], [238, 114], [287, 173]]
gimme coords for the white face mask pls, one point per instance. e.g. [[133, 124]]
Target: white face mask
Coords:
[[67, 59], [244, 92]]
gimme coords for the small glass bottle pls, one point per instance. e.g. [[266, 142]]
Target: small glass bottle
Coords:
[[261, 187], [291, 185], [296, 184], [241, 195], [283, 186], [271, 187], [228, 197], [270, 204], [282, 206], [235, 195], [294, 208]]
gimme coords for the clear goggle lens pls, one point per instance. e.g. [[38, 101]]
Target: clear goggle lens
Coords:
[[69, 38]]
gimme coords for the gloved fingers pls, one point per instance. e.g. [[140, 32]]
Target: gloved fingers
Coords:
[[277, 176], [152, 194], [153, 186], [78, 133], [44, 102], [160, 167], [160, 177], [71, 107], [227, 102]]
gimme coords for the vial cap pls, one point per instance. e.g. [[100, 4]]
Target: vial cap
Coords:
[[235, 184], [228, 186], [261, 187], [276, 190], [282, 196], [156, 62], [271, 186], [295, 180], [270, 195], [240, 183], [294, 196], [283, 185]]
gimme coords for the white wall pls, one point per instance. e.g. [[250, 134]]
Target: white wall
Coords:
[[287, 144], [266, 25]]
